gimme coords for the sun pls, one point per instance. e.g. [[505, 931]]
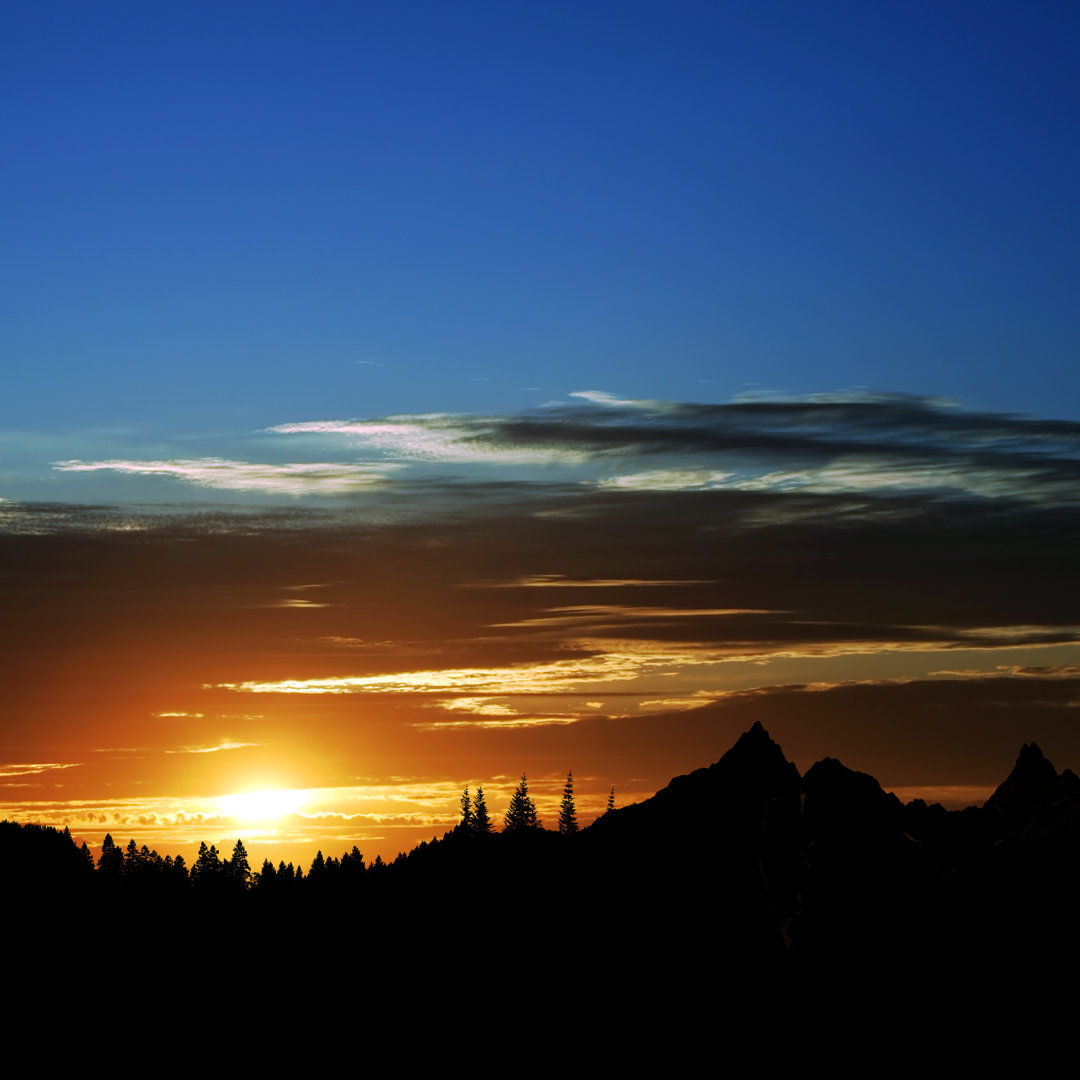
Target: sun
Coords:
[[252, 806]]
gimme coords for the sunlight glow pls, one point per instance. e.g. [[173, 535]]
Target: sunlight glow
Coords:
[[250, 806]]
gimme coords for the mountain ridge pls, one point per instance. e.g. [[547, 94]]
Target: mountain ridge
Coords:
[[743, 863]]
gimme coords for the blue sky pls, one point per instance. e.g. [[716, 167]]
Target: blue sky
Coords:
[[219, 218]]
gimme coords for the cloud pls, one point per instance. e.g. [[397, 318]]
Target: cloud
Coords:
[[35, 769], [557, 581], [853, 443], [597, 616], [212, 749], [512, 724], [553, 677], [602, 397], [667, 480], [435, 437], [308, 478], [620, 662]]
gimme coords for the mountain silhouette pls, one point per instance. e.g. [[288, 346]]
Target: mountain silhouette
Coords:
[[1033, 794], [743, 866]]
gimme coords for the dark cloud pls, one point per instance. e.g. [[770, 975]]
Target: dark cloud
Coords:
[[865, 443]]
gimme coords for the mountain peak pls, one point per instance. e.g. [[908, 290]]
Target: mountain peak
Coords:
[[754, 764], [1030, 755], [1032, 784], [756, 736], [835, 792], [753, 773]]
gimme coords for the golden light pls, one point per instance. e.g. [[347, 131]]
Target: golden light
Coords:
[[253, 806]]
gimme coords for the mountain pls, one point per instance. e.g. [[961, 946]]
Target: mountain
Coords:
[[829, 867], [744, 866]]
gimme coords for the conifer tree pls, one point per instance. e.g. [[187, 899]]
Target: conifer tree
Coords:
[[111, 862], [567, 812], [521, 814], [238, 867], [610, 800], [468, 818], [481, 819], [208, 866]]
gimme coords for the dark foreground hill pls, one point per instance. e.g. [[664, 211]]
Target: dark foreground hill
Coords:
[[741, 867]]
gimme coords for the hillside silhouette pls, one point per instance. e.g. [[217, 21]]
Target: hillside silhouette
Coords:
[[742, 866]]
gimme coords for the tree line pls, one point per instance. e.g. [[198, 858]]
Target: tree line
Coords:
[[143, 869], [521, 814]]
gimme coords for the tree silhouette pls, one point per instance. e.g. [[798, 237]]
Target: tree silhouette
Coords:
[[610, 800], [207, 869], [468, 817], [567, 812], [521, 813], [111, 862], [238, 867], [266, 878], [481, 819]]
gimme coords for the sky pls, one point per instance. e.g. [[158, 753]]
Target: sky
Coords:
[[400, 397]]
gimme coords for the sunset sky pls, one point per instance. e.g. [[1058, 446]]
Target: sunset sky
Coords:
[[405, 396]]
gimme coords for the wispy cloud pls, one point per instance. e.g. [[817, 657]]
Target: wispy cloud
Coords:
[[307, 478], [608, 400], [555, 677], [666, 480], [36, 768], [613, 615], [436, 437], [212, 749], [859, 442], [509, 724], [558, 581]]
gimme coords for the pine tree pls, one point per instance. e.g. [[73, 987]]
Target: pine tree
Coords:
[[238, 867], [521, 813], [266, 878], [610, 800], [208, 867], [567, 812], [468, 818], [111, 863], [481, 819]]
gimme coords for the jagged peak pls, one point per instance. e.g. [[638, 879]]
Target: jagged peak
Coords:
[[833, 791], [833, 770], [1030, 754], [1031, 763], [1033, 783], [827, 766], [757, 741], [754, 752]]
